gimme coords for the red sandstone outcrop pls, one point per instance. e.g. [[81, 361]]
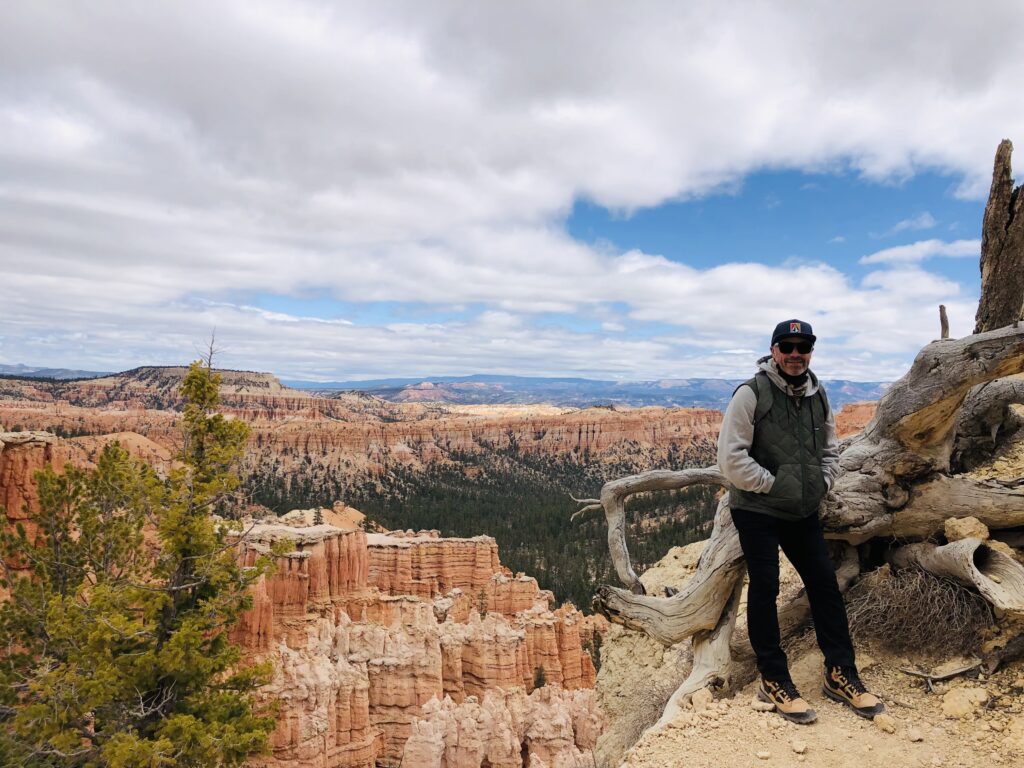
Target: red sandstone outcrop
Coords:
[[853, 418], [22, 454], [369, 633]]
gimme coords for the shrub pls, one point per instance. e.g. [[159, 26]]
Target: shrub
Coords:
[[118, 650]]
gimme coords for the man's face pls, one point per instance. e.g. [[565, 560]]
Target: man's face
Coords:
[[792, 362]]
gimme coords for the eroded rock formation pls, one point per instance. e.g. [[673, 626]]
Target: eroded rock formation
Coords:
[[358, 434], [377, 638]]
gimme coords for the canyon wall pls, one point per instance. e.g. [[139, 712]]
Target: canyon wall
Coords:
[[351, 431], [387, 646], [22, 454]]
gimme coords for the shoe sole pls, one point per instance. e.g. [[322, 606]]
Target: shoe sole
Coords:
[[807, 720], [839, 698]]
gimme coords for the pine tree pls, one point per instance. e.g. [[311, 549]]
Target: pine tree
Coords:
[[117, 649]]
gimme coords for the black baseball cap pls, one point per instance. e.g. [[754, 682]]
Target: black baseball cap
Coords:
[[788, 328]]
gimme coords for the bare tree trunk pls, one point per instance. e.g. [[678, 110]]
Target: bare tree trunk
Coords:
[[698, 605], [1002, 243]]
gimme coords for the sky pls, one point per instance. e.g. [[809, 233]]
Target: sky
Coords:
[[611, 190]]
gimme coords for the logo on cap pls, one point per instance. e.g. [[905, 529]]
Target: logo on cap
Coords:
[[794, 328]]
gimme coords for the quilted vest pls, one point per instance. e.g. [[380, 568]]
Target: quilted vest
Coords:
[[789, 441]]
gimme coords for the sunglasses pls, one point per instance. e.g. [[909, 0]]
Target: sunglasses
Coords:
[[803, 347]]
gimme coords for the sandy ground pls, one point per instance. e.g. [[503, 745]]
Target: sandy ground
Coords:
[[730, 732]]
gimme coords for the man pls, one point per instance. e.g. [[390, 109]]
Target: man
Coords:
[[779, 451]]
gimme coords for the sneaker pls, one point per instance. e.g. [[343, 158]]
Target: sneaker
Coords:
[[843, 684], [784, 695]]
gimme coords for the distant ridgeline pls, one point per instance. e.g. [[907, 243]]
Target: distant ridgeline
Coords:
[[580, 393]]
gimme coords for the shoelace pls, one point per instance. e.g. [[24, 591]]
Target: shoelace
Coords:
[[784, 689], [849, 679]]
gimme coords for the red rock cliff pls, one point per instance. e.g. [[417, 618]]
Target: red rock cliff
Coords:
[[370, 634]]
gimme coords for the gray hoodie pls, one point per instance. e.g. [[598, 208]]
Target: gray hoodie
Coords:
[[737, 434]]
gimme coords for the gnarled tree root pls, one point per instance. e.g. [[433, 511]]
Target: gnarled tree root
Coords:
[[699, 605], [712, 663], [998, 577]]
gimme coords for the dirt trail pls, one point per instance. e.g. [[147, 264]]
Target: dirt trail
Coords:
[[729, 732]]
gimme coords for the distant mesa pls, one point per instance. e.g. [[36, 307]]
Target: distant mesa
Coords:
[[36, 372], [574, 393]]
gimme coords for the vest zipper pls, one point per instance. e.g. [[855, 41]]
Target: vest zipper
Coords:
[[803, 452]]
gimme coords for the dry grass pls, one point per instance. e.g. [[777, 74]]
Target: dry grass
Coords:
[[912, 610]]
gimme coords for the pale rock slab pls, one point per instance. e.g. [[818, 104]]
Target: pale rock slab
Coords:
[[963, 702], [957, 528]]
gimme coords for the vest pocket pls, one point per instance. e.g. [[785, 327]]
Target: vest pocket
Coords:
[[788, 485]]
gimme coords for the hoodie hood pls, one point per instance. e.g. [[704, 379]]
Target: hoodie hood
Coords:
[[767, 365]]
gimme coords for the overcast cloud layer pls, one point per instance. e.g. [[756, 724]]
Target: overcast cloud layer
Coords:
[[162, 166]]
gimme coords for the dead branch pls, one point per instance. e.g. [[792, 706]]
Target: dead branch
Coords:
[[698, 605], [930, 678], [613, 501]]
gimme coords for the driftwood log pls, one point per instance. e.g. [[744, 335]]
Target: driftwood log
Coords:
[[900, 479]]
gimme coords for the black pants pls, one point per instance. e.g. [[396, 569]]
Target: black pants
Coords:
[[761, 536]]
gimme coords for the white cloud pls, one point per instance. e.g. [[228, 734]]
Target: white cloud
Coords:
[[921, 250], [921, 221], [160, 165]]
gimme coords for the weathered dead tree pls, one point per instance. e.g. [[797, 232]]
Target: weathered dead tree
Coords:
[[900, 479], [1002, 240]]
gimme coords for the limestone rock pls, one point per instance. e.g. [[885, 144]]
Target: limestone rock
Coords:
[[798, 746], [885, 722], [963, 702], [507, 729], [957, 528], [701, 699], [1015, 734], [761, 706], [359, 668]]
